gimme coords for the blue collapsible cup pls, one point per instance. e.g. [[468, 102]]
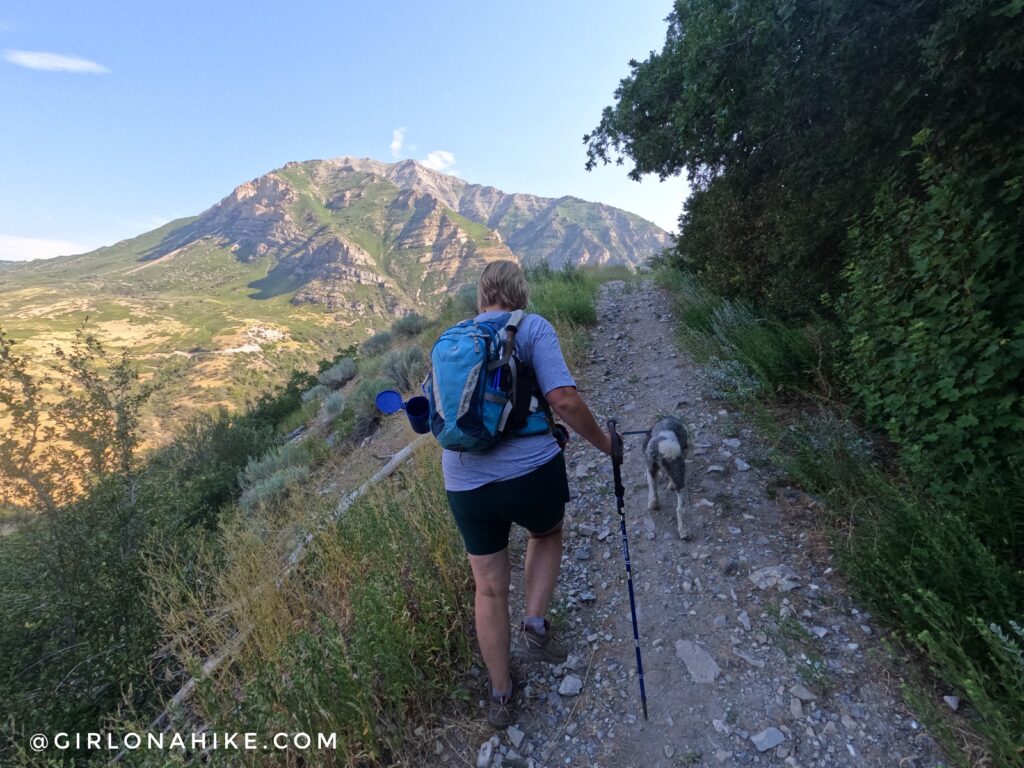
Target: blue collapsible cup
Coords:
[[417, 409]]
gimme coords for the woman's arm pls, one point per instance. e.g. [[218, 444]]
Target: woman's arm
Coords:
[[570, 408]]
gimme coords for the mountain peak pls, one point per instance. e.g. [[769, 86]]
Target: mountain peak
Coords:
[[410, 174], [384, 237]]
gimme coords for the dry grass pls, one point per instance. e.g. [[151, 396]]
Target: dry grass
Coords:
[[385, 589]]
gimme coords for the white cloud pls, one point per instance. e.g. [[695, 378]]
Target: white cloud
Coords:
[[439, 160], [54, 62], [14, 248], [397, 142]]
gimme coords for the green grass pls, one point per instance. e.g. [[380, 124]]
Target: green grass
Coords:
[[747, 352], [299, 417], [919, 563], [566, 296], [355, 647], [799, 646]]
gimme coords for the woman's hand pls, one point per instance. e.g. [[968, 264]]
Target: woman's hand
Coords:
[[570, 408]]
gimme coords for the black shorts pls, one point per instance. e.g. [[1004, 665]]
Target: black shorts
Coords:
[[535, 501]]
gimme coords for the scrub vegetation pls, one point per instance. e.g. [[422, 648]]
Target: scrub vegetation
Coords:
[[125, 573]]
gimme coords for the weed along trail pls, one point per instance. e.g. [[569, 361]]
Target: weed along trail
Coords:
[[753, 653]]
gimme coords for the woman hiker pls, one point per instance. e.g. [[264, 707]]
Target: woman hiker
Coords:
[[521, 480]]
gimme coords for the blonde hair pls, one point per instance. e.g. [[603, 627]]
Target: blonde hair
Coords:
[[502, 284]]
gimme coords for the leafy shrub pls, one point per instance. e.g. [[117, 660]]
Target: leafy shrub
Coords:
[[731, 380], [936, 322], [350, 351], [264, 467], [315, 393], [332, 406], [299, 418], [363, 404], [76, 628], [339, 374], [404, 367], [343, 424], [409, 326], [273, 486], [273, 406], [275, 470], [376, 344]]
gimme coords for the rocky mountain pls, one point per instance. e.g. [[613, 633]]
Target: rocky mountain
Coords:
[[360, 235], [299, 263], [560, 231], [410, 232]]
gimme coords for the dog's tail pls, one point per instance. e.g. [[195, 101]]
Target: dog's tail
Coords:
[[668, 445]]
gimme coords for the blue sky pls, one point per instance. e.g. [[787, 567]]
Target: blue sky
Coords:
[[118, 116]]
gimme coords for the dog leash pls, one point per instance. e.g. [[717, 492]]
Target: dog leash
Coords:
[[620, 492]]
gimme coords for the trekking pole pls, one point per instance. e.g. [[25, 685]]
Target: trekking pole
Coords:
[[620, 505]]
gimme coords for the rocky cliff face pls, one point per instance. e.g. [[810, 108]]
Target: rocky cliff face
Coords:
[[354, 233]]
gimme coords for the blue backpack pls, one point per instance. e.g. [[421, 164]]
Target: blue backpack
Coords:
[[479, 391]]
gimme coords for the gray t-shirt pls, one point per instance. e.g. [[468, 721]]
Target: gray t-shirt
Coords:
[[537, 345]]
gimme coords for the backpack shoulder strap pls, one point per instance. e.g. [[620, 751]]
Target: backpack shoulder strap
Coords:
[[510, 328], [515, 319]]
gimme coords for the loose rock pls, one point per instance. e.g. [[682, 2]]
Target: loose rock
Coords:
[[802, 692], [570, 686], [483, 757], [515, 736], [781, 576], [767, 739], [699, 663]]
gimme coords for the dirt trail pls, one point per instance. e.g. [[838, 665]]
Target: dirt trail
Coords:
[[736, 674]]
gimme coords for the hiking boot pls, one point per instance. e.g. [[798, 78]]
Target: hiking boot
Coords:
[[500, 710], [533, 647]]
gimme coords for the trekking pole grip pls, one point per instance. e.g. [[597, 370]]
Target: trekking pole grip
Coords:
[[616, 440]]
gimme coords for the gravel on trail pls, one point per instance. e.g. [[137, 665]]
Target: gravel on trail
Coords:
[[753, 652]]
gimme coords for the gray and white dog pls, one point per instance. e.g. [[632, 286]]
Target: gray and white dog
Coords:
[[665, 449]]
